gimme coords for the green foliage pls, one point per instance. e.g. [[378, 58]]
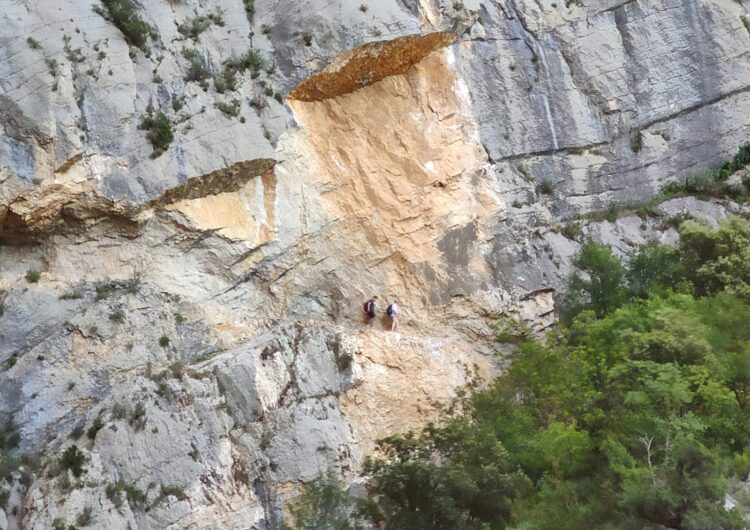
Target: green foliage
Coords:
[[33, 275], [343, 361], [597, 283], [249, 9], [177, 370], [194, 27], [138, 417], [59, 524], [717, 260], [707, 261], [226, 81], [72, 459], [118, 491], [104, 289], [123, 14], [159, 132], [95, 428], [651, 268], [9, 435], [33, 43], [163, 341], [117, 316], [636, 415], [706, 184], [84, 518], [546, 187], [252, 60], [231, 108], [170, 490], [71, 295], [4, 496], [198, 69], [323, 504]]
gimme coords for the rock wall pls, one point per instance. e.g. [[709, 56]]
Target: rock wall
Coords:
[[205, 303]]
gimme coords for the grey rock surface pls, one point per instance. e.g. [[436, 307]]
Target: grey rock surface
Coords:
[[205, 303]]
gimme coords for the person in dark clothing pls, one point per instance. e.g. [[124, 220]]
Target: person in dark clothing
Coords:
[[371, 309]]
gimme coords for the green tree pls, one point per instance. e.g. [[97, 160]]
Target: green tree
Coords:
[[596, 284], [323, 504]]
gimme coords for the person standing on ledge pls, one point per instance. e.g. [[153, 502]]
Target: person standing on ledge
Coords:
[[371, 309], [392, 312]]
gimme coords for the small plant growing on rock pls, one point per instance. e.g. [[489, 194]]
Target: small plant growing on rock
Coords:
[[104, 289], [546, 187], [33, 43], [265, 29], [177, 370], [119, 411], [226, 81], [12, 360], [72, 459], [231, 109], [524, 172], [58, 524], [636, 142], [194, 27], [198, 69], [163, 341], [117, 316], [84, 518], [95, 428], [343, 362], [75, 294], [171, 490], [252, 60], [123, 14], [33, 275], [138, 417], [136, 497], [159, 132], [249, 9], [571, 230]]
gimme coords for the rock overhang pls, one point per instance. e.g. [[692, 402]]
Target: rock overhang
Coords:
[[368, 64]]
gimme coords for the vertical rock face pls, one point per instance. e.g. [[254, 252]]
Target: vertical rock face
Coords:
[[205, 303]]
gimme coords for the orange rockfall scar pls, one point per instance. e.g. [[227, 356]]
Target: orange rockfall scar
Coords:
[[369, 64]]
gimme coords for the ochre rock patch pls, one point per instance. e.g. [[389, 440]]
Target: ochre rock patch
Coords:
[[369, 64]]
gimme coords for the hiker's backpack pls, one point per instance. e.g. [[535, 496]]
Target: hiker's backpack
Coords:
[[366, 307], [389, 310]]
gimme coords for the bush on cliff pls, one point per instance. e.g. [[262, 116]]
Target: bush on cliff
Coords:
[[123, 14]]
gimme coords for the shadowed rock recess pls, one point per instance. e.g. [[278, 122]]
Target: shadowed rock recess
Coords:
[[189, 227]]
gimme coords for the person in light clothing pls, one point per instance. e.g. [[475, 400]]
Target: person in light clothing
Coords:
[[392, 312]]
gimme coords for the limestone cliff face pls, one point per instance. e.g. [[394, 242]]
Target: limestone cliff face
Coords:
[[205, 303]]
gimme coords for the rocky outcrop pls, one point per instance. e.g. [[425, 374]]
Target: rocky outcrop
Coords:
[[204, 302]]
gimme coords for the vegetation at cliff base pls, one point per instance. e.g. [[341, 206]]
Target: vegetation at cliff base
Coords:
[[634, 414]]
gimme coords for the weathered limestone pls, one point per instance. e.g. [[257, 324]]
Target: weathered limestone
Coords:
[[392, 148]]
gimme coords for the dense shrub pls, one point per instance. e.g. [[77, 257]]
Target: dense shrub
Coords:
[[72, 459], [159, 133], [123, 14]]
